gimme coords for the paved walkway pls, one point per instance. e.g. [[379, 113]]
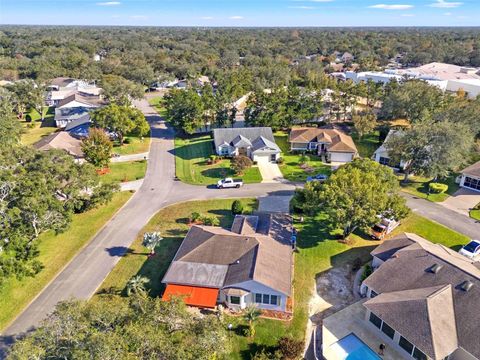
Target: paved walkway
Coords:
[[275, 203], [462, 201], [132, 157], [444, 216], [86, 272], [131, 185]]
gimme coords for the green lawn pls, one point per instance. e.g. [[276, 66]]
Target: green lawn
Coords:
[[172, 224], [418, 186], [125, 171], [475, 214], [157, 103], [136, 145], [291, 169], [191, 155], [55, 252], [367, 145], [36, 129]]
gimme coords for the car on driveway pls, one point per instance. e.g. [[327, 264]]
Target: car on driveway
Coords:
[[471, 250], [318, 177], [229, 183]]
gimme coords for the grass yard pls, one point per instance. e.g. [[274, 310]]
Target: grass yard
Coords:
[[191, 155], [171, 222], [136, 145], [125, 171], [367, 144], [290, 167], [418, 186], [475, 214], [157, 103], [36, 129], [55, 252]]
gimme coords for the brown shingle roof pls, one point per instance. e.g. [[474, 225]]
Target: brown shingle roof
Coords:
[[90, 100], [410, 269], [472, 170], [336, 140], [425, 317], [61, 140]]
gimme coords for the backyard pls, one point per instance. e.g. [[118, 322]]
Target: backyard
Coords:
[[125, 171], [36, 129], [367, 144], [291, 168], [191, 157], [55, 252], [317, 251]]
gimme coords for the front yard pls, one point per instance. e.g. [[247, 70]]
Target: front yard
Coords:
[[318, 251], [418, 186], [291, 168], [125, 171], [132, 145], [55, 252], [191, 156]]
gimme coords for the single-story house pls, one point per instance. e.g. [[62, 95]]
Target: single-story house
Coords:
[[250, 264], [257, 143], [381, 154], [79, 128], [61, 140], [79, 100], [471, 177], [66, 115], [418, 303], [334, 144]]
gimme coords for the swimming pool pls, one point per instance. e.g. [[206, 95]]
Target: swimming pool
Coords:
[[352, 348]]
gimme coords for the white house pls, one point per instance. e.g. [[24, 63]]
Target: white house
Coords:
[[77, 100], [471, 177], [250, 264], [257, 143], [381, 154]]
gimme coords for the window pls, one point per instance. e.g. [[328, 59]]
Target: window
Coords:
[[387, 330], [472, 183], [224, 150], [373, 294], [405, 345], [235, 300], [384, 161], [266, 298], [258, 298], [417, 354], [273, 299], [375, 320]]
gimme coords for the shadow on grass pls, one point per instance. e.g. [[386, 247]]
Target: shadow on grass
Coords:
[[217, 173], [196, 148], [255, 348]]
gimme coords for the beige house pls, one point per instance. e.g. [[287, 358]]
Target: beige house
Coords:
[[335, 145]]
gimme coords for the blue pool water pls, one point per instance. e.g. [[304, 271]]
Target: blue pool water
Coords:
[[352, 348]]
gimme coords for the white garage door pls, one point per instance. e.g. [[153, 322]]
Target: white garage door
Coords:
[[261, 158], [341, 157]]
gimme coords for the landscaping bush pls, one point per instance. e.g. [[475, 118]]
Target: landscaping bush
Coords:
[[291, 349], [280, 160], [210, 220], [304, 159], [213, 159], [28, 118], [368, 270], [438, 188], [195, 217], [237, 207], [240, 164], [127, 140]]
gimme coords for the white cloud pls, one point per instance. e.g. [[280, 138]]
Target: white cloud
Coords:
[[391, 7], [109, 3], [445, 4], [302, 7], [236, 17]]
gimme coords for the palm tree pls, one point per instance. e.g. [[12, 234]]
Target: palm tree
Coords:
[[251, 315], [136, 285], [151, 241]]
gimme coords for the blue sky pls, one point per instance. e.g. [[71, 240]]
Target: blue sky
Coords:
[[242, 12]]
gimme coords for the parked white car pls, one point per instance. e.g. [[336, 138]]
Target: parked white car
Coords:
[[229, 183], [471, 250]]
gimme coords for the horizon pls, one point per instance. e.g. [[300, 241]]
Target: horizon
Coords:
[[243, 14]]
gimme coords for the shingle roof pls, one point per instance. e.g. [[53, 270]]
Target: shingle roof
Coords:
[[226, 258], [252, 134], [89, 100], [85, 119], [61, 81], [425, 317], [71, 114], [336, 140], [61, 140], [472, 170], [385, 250], [241, 141], [410, 268], [261, 142]]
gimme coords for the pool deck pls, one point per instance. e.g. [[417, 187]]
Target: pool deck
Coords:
[[352, 320]]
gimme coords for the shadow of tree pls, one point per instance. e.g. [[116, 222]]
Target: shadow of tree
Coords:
[[118, 251]]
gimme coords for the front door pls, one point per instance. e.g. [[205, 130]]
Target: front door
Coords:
[[273, 158]]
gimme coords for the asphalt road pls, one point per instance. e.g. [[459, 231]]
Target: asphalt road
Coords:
[[86, 272]]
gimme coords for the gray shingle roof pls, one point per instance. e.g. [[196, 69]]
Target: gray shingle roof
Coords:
[[225, 258], [228, 135], [85, 119], [262, 142], [409, 269]]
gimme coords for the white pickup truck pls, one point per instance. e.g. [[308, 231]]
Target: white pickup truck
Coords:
[[229, 183]]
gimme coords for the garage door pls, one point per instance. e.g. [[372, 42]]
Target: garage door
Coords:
[[340, 157], [261, 158], [472, 183]]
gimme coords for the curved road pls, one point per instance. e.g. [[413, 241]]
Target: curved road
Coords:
[[86, 272]]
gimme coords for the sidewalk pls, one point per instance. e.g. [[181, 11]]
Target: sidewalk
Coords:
[[133, 157]]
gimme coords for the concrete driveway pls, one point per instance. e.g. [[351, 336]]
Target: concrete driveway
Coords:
[[270, 172], [462, 201]]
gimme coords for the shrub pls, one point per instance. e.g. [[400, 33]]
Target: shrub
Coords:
[[291, 349], [237, 207], [438, 188], [304, 159], [210, 220], [28, 118], [213, 159], [195, 216], [240, 164], [127, 140], [280, 160], [367, 271]]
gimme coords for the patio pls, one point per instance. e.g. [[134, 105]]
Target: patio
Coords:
[[352, 320]]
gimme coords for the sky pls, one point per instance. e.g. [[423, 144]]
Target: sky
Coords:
[[242, 13]]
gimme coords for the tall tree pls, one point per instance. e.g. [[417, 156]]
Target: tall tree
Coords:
[[10, 128], [97, 148], [119, 90], [364, 122], [26, 95], [184, 109]]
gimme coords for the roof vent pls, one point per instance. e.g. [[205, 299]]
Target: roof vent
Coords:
[[435, 268], [466, 285]]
